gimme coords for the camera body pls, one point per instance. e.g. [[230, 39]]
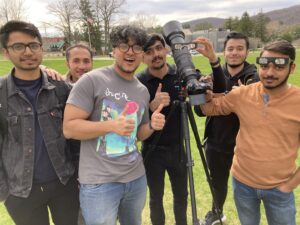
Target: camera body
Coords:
[[175, 38]]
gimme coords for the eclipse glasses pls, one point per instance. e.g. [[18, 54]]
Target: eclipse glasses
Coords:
[[277, 61]]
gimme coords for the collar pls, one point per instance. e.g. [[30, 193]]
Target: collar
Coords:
[[247, 69], [274, 92], [69, 78], [12, 88], [172, 71]]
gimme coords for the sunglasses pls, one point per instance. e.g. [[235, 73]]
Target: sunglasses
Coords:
[[278, 61]]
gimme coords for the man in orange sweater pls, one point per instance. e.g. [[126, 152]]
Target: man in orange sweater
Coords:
[[264, 165]]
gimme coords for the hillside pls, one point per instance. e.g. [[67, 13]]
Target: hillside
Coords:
[[286, 17], [216, 22]]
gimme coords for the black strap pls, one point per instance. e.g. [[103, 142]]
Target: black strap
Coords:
[[3, 105]]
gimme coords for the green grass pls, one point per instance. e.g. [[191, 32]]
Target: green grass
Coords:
[[203, 196]]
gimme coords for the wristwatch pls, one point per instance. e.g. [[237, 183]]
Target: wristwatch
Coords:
[[216, 62]]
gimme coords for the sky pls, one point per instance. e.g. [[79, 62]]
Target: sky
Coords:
[[182, 10]]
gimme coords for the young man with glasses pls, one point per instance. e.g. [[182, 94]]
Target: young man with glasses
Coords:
[[264, 165], [108, 110], [35, 170]]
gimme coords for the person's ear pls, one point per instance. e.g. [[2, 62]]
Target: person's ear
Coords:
[[6, 53], [292, 68]]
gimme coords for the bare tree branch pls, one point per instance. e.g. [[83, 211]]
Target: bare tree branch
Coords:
[[104, 11], [66, 13], [12, 10]]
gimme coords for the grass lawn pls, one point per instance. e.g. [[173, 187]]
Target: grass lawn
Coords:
[[203, 196]]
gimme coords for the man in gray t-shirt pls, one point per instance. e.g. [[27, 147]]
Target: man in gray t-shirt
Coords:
[[108, 111]]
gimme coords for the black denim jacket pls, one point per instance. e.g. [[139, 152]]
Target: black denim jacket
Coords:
[[17, 152]]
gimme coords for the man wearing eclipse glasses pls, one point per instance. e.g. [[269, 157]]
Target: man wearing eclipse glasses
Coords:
[[264, 167]]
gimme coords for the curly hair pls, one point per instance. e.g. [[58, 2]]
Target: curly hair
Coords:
[[122, 34], [21, 26]]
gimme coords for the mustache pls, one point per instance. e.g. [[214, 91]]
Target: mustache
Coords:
[[27, 58], [156, 58], [270, 77]]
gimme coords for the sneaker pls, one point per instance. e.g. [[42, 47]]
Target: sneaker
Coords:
[[212, 218]]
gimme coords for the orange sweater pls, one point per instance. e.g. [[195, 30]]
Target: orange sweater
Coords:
[[269, 136]]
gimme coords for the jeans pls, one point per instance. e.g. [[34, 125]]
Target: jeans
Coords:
[[101, 204], [279, 206], [219, 163], [62, 201], [158, 162]]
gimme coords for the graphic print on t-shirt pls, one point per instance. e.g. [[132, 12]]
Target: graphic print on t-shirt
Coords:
[[112, 144]]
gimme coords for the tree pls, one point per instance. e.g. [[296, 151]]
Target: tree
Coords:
[[287, 36], [12, 10], [66, 12], [228, 24], [91, 25], [144, 20], [296, 32], [105, 10], [232, 23], [260, 26], [246, 25]]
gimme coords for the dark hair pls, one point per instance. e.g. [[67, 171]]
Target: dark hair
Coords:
[[122, 34], [20, 26], [236, 35], [80, 45], [152, 38], [281, 46]]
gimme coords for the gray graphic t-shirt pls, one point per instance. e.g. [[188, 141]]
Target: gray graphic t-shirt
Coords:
[[104, 95]]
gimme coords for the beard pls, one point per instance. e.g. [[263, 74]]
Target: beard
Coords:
[[158, 67], [129, 71], [235, 65], [278, 85], [29, 66]]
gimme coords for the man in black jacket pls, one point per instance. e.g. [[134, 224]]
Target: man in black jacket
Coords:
[[166, 154], [221, 131]]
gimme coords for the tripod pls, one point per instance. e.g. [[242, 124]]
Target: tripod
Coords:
[[187, 115]]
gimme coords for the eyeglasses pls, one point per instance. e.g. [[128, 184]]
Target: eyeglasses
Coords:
[[21, 47], [277, 61], [123, 47]]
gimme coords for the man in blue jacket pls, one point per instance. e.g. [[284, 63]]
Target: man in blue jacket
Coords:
[[36, 172]]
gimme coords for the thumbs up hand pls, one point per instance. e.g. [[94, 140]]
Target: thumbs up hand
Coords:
[[122, 125], [158, 119], [160, 98]]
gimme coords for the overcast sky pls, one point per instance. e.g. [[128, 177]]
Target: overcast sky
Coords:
[[182, 10]]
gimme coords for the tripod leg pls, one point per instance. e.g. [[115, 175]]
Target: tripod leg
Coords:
[[190, 163], [200, 148]]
